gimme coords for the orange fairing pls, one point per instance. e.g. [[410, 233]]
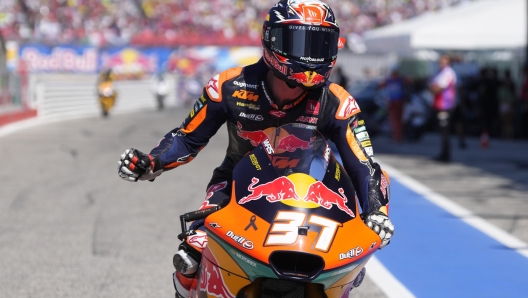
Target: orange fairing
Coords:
[[219, 281], [352, 241]]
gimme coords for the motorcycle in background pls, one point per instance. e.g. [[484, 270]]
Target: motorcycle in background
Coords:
[[291, 227], [107, 96]]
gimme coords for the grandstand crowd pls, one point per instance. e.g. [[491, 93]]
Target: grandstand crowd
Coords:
[[103, 23]]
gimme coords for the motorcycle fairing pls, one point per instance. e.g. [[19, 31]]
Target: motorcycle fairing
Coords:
[[213, 280], [342, 275], [246, 266], [246, 227]]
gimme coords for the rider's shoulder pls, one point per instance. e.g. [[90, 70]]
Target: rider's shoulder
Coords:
[[214, 86], [346, 104]]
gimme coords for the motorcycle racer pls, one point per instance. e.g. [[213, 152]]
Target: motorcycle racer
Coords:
[[289, 84]]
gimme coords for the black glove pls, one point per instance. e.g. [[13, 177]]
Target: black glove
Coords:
[[135, 165], [380, 224]]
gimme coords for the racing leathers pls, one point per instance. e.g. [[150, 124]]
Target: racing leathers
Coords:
[[241, 98]]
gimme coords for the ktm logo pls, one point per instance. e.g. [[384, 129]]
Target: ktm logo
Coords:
[[243, 94], [284, 162]]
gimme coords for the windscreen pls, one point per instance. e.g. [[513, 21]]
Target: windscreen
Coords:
[[296, 167]]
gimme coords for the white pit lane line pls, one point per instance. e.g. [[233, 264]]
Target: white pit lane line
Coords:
[[462, 213], [387, 282]]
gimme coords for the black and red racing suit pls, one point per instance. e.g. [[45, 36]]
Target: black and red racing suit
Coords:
[[240, 96]]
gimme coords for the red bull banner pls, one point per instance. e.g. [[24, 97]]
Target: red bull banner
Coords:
[[129, 61], [59, 59]]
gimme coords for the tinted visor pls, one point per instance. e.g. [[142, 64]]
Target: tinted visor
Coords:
[[299, 41]]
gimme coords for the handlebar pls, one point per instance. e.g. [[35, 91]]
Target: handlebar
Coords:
[[198, 214]]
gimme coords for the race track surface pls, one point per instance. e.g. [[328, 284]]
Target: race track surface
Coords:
[[70, 227]]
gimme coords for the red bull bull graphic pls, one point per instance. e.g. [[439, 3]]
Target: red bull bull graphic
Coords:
[[292, 143], [279, 189], [307, 78], [254, 137], [211, 280], [283, 188], [325, 197], [130, 63]]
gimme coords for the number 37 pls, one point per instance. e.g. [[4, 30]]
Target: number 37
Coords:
[[285, 229]]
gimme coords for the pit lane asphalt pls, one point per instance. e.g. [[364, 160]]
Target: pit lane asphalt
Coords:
[[71, 228]]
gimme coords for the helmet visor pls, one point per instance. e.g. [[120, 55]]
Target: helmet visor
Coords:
[[304, 42]]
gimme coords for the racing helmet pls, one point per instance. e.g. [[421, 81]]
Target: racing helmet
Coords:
[[300, 40]]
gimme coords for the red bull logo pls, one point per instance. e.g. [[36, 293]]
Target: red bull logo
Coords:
[[326, 198], [292, 143], [283, 188], [254, 137], [211, 280], [279, 189], [273, 61], [307, 78]]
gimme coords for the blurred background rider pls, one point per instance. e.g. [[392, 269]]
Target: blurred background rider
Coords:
[[106, 91]]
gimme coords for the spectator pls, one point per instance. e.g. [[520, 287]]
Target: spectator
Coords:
[[339, 77], [465, 109], [184, 22], [443, 86], [489, 104], [395, 89], [506, 95], [160, 88]]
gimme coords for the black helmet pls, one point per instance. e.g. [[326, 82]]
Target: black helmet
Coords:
[[300, 40]]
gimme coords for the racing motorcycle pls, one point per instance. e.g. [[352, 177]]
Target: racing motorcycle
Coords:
[[107, 96], [291, 227]]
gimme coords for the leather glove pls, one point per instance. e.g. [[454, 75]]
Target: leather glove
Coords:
[[135, 165], [380, 224]]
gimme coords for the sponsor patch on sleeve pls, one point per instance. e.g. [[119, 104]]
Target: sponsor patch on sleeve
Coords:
[[214, 86], [362, 136]]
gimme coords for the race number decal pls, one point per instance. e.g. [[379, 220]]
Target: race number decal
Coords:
[[285, 229]]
